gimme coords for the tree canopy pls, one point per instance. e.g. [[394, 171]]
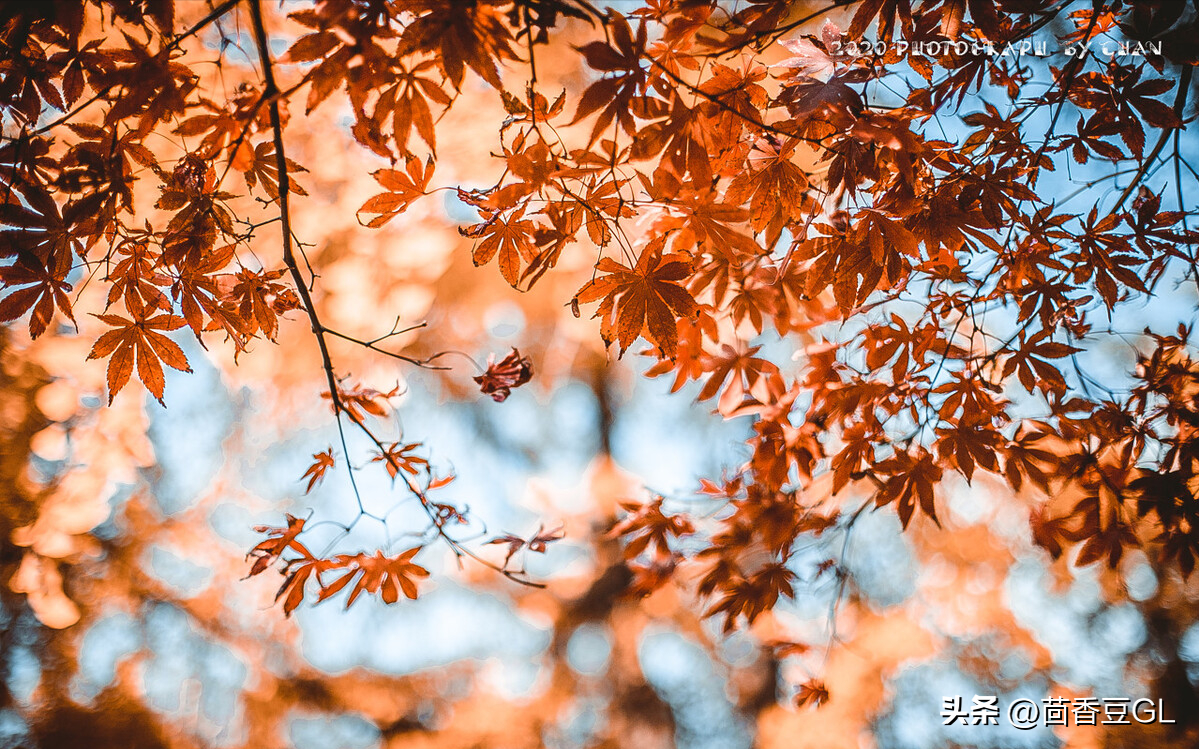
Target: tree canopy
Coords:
[[907, 248]]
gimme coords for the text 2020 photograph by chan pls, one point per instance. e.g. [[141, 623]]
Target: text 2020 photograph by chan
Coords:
[[566, 374]]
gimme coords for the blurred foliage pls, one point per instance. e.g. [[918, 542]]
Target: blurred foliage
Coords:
[[885, 320]]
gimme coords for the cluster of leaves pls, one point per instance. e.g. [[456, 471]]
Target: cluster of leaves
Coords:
[[88, 103], [693, 133], [733, 200], [69, 194], [781, 199], [376, 574]]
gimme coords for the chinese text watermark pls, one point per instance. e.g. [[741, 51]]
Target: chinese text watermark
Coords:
[[1026, 714]]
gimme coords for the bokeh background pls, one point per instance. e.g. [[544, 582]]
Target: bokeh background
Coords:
[[125, 620]]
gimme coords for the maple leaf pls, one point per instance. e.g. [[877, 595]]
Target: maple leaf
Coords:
[[412, 108], [884, 342], [201, 290], [254, 292], [813, 98], [773, 580], [296, 574], [648, 578], [264, 170], [910, 482], [812, 57], [612, 96], [43, 289], [311, 47], [328, 76], [1121, 102], [982, 12], [1165, 494], [689, 360], [603, 200], [886, 11], [1107, 258], [745, 374], [471, 35], [543, 538], [278, 541], [682, 134], [397, 457], [1031, 365], [136, 280], [968, 393], [512, 371], [509, 236], [192, 232], [648, 528], [857, 260], [402, 188], [813, 693], [515, 544], [1090, 138], [386, 576], [785, 648], [533, 108], [857, 451], [1026, 456], [321, 463], [774, 186], [646, 298], [225, 128], [753, 595], [161, 90], [139, 338], [35, 226], [538, 543], [708, 223], [360, 401], [1109, 542], [969, 445]]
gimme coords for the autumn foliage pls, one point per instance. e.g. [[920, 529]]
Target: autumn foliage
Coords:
[[891, 266]]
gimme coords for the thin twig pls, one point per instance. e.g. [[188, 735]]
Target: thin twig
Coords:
[[424, 363]]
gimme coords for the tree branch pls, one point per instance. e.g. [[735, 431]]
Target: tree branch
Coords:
[[289, 258], [270, 95]]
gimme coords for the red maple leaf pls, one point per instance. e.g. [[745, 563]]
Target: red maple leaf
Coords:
[[512, 371]]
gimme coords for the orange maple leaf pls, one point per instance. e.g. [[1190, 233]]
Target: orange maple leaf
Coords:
[[277, 541], [379, 574], [510, 237], [139, 339], [402, 187], [813, 693], [321, 463], [647, 298], [398, 457]]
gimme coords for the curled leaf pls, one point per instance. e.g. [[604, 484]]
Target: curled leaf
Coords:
[[512, 371]]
